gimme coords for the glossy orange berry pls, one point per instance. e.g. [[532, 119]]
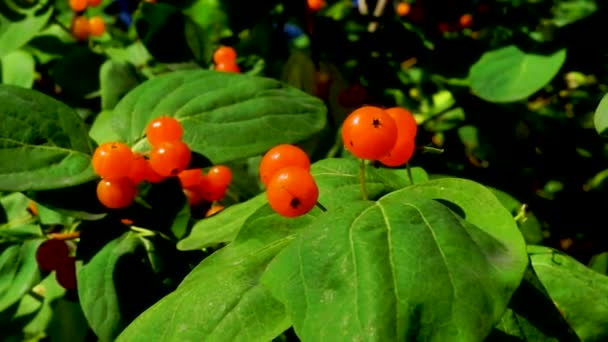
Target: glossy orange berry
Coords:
[[141, 170], [214, 210], [94, 3], [369, 133], [405, 145], [292, 191], [78, 5], [220, 175], [66, 274], [193, 195], [466, 21], [190, 178], [170, 158], [116, 193], [403, 9], [97, 26], [281, 156], [80, 28], [51, 254], [211, 191], [224, 54], [113, 160], [316, 5], [228, 67], [164, 128]]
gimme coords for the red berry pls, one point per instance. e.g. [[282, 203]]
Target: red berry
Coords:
[[292, 192], [228, 67], [170, 158], [163, 129], [282, 156], [369, 133], [220, 175], [190, 178], [66, 274], [116, 193], [211, 191], [224, 54], [113, 160], [51, 254]]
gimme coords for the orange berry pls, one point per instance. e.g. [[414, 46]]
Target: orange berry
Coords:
[[220, 175], [94, 3], [113, 160], [228, 67], [292, 191], [97, 26], [211, 191], [316, 5], [466, 21], [127, 221], [404, 148], [116, 193], [80, 28], [214, 210], [164, 128], [51, 254], [281, 156], [193, 195], [141, 170], [170, 158], [369, 133], [224, 54], [78, 5], [403, 9], [190, 178]]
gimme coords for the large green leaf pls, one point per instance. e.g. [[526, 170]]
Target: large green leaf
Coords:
[[18, 68], [20, 22], [18, 271], [600, 118], [225, 116], [508, 74], [403, 268], [580, 293], [338, 181], [529, 225], [116, 78], [45, 141], [116, 285], [222, 299]]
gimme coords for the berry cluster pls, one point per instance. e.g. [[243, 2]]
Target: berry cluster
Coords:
[[316, 5], [54, 255], [387, 136], [290, 188], [82, 28], [122, 170], [225, 59]]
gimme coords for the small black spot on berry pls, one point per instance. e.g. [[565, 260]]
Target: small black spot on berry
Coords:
[[174, 172], [351, 143], [376, 123], [295, 202]]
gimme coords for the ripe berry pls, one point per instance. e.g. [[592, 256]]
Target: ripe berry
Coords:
[[220, 175], [316, 5], [97, 26], [80, 28], [369, 133], [282, 156], [466, 21], [211, 191], [404, 148], [117, 193], [224, 54], [113, 160], [228, 67], [78, 5], [190, 178], [66, 274], [170, 158], [193, 195], [141, 170], [52, 253], [164, 128], [403, 9], [94, 3], [292, 192]]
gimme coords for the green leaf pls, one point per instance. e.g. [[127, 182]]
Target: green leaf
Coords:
[[222, 299], [508, 74], [580, 293], [403, 268], [599, 263], [18, 68], [87, 62], [116, 79], [20, 24], [18, 271], [338, 182], [116, 285], [600, 118], [13, 209], [225, 116], [45, 140], [529, 225], [101, 129], [222, 227], [50, 291]]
